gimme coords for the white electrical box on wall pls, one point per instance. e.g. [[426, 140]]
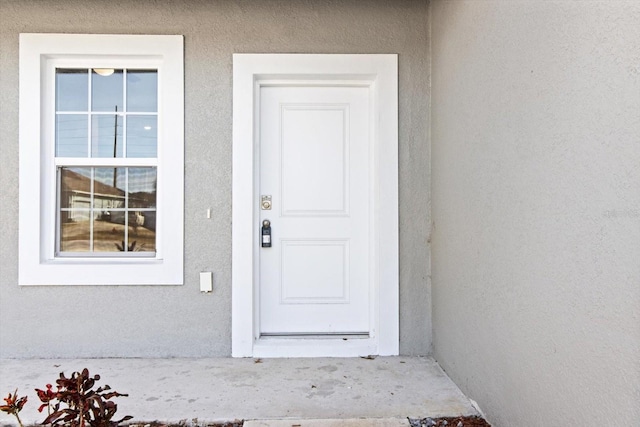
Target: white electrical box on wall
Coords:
[[206, 281]]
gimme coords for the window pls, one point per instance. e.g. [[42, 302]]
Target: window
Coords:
[[105, 114], [101, 159]]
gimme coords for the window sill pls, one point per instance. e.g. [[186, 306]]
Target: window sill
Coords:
[[101, 271]]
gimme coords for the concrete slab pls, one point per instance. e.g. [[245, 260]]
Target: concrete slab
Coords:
[[210, 390]]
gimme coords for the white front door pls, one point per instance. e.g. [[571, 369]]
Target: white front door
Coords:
[[315, 136], [314, 144]]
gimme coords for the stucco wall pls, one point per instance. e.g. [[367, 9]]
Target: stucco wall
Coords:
[[179, 321], [536, 208]]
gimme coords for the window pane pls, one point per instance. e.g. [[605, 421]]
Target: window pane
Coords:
[[142, 231], [75, 189], [106, 135], [71, 90], [142, 136], [109, 187], [108, 234], [75, 212], [106, 90], [75, 231], [142, 188], [71, 135], [142, 91]]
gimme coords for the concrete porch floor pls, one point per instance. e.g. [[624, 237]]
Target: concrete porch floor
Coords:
[[354, 391]]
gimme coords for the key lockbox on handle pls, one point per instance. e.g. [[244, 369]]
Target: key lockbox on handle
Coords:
[[265, 238]]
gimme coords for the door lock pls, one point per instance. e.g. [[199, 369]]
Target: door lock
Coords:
[[265, 238], [265, 203]]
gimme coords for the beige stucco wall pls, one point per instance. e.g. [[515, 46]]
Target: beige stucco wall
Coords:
[[536, 208], [179, 321]]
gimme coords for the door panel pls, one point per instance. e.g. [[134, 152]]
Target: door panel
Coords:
[[314, 144], [314, 160]]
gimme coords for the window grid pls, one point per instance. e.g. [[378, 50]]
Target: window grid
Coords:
[[90, 113], [115, 162]]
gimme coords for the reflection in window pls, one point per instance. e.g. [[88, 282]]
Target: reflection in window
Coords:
[[106, 90], [93, 120], [106, 136], [106, 114], [71, 135], [142, 136], [104, 209], [71, 90], [142, 90]]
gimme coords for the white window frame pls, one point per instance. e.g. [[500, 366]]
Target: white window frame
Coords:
[[40, 54]]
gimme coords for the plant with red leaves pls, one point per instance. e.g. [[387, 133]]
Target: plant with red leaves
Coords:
[[46, 396], [84, 405], [14, 405]]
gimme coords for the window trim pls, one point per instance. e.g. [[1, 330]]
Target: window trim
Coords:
[[37, 200]]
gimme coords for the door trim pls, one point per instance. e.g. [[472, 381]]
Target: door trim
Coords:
[[379, 72]]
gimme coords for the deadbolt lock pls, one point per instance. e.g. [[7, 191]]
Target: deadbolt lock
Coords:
[[265, 203]]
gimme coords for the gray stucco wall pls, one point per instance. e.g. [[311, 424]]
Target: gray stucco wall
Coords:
[[536, 208], [179, 321]]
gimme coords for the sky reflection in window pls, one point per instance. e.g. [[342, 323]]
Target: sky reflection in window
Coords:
[[92, 119]]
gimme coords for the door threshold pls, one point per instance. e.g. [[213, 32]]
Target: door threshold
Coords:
[[322, 336], [315, 346]]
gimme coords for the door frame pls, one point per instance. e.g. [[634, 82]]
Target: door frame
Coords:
[[379, 72]]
